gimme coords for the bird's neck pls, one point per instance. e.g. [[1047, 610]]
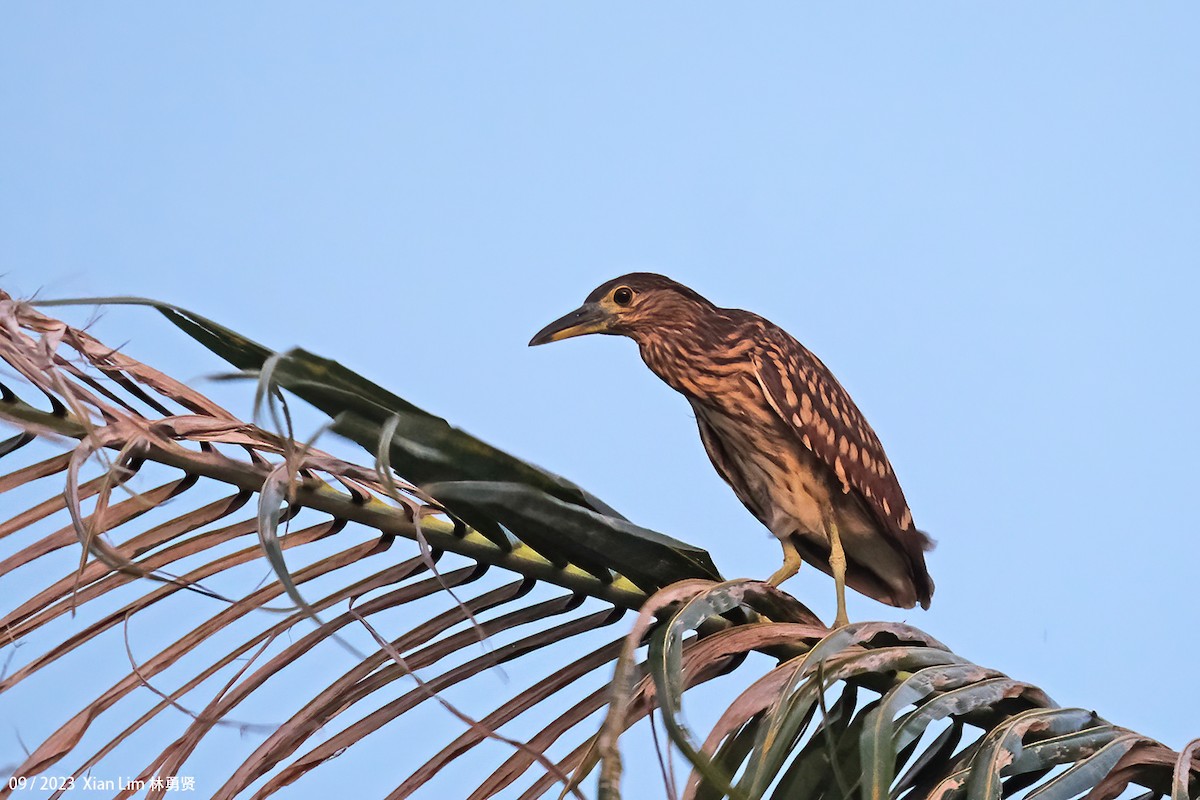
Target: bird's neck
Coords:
[[694, 361], [673, 361]]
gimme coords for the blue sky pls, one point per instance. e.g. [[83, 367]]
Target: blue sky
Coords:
[[983, 218]]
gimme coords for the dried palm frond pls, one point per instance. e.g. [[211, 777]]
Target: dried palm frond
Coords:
[[157, 489], [195, 573], [871, 710]]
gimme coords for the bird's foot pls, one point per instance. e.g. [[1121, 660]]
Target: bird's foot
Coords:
[[781, 575], [791, 563]]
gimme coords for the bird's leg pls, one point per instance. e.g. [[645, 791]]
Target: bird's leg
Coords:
[[837, 564], [791, 563]]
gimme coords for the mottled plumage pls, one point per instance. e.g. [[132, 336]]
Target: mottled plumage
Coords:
[[778, 427]]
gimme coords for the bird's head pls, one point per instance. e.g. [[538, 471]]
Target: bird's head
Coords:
[[632, 305]]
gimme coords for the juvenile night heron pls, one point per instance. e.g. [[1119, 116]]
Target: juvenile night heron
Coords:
[[779, 429]]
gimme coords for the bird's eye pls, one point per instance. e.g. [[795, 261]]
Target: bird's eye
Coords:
[[623, 296]]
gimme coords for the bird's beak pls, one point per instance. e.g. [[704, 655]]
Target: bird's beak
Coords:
[[588, 318]]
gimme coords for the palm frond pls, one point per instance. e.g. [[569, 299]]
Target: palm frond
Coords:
[[163, 491], [908, 717], [217, 557]]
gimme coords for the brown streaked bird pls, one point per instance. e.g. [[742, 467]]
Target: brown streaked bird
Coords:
[[779, 429]]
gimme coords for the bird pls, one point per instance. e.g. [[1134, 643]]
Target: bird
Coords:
[[779, 429]]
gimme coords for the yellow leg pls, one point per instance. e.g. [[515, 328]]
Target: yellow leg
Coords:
[[837, 563], [791, 563]]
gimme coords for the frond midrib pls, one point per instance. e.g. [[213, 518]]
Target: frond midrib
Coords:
[[439, 533]]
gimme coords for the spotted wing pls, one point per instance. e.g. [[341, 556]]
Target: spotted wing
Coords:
[[804, 393]]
